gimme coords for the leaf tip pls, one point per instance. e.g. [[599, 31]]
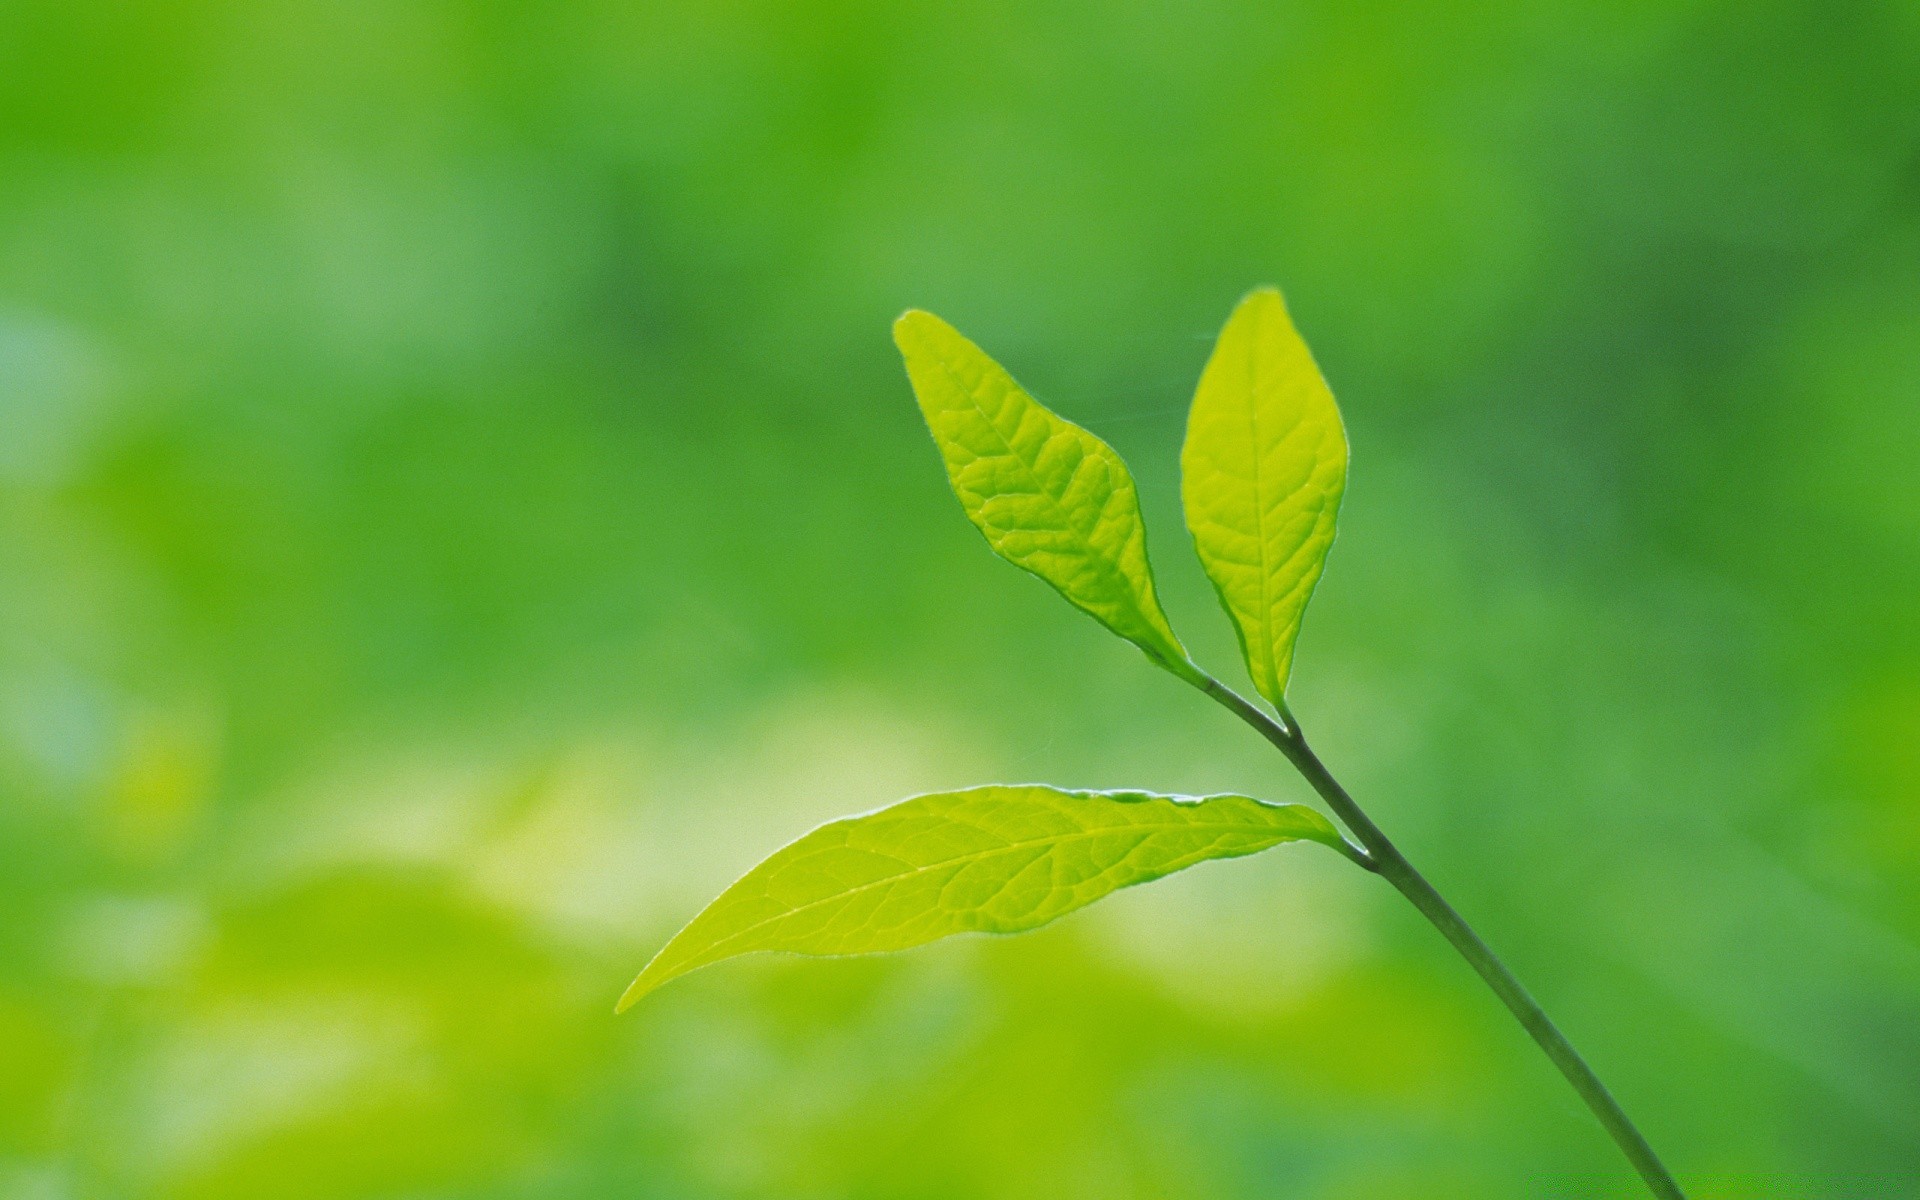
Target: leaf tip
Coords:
[[649, 979], [635, 990], [913, 325], [1261, 301]]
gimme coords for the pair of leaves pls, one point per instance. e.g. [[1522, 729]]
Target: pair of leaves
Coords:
[[1263, 470]]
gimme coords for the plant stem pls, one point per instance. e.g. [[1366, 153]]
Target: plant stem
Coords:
[[1384, 858]]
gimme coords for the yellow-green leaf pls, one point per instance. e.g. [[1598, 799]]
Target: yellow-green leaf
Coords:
[[986, 860], [1262, 473], [1050, 497]]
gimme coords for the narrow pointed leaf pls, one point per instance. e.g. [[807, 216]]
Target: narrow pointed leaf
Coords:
[[1262, 473], [986, 860], [1050, 497]]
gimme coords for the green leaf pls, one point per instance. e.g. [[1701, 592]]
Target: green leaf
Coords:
[[1050, 497], [1262, 473], [986, 860]]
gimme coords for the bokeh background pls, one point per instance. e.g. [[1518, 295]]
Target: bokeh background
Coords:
[[459, 506]]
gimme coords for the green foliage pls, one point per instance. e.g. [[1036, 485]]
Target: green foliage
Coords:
[[1262, 472], [1264, 465], [985, 860], [1050, 497]]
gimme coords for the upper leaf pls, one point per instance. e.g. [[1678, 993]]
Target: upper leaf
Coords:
[[987, 860], [1262, 473], [1051, 498]]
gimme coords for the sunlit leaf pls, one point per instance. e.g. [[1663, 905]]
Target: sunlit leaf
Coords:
[[1262, 472], [1051, 498], [986, 860]]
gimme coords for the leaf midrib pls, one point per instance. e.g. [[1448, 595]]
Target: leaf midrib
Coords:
[[1260, 512]]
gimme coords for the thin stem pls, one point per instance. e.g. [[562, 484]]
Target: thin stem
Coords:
[[1386, 860]]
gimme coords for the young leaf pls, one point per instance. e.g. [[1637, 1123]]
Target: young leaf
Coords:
[[1050, 497], [986, 860], [1262, 472]]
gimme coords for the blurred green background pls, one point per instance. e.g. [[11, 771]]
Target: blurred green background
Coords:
[[459, 506]]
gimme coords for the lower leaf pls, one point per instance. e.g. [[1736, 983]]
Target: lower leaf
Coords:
[[1000, 859]]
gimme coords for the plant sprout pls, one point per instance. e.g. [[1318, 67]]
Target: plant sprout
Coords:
[[1262, 473]]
